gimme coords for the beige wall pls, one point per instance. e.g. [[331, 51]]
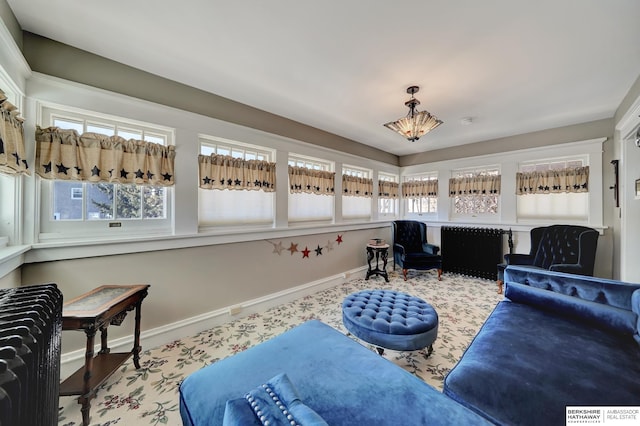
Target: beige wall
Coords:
[[193, 281]]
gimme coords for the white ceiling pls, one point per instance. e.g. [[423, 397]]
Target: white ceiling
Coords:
[[514, 66]]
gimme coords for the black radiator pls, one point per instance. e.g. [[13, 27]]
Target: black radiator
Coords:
[[30, 344], [475, 252]]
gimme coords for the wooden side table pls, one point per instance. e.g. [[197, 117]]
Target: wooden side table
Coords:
[[380, 252], [91, 312]]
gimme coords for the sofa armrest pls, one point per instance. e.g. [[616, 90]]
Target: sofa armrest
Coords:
[[518, 259], [597, 314], [430, 248], [635, 307], [398, 248]]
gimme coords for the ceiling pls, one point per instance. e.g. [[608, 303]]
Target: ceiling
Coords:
[[513, 66]]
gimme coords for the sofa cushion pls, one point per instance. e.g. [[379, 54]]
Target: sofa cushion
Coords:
[[597, 314], [526, 365]]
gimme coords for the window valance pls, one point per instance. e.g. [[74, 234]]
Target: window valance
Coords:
[[570, 179], [357, 186], [66, 155], [12, 156], [474, 185], [420, 188], [226, 172], [388, 189], [302, 179]]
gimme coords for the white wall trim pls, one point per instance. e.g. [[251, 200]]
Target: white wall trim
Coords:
[[71, 361]]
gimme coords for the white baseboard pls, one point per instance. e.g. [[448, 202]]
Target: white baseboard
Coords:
[[73, 360]]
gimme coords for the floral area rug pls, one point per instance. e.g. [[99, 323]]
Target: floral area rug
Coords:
[[149, 396]]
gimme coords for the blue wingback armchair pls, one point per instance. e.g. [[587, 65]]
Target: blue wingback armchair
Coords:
[[561, 248], [411, 249]]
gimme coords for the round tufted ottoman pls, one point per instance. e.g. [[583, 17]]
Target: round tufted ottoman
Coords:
[[390, 319]]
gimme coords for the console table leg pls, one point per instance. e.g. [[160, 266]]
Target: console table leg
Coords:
[[85, 398], [104, 346], [136, 339]]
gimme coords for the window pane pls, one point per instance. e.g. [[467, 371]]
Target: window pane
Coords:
[[356, 207], [154, 202], [128, 202], [128, 134], [64, 123], [102, 129], [308, 207], [226, 207], [66, 204], [207, 150], [160, 140], [99, 201]]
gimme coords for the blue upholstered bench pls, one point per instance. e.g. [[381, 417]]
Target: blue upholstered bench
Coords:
[[390, 319]]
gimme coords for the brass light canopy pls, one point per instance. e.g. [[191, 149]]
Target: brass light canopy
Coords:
[[416, 123]]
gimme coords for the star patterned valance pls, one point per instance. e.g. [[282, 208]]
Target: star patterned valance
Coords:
[[65, 155], [302, 179], [226, 172], [12, 156], [475, 185], [420, 188], [388, 189], [570, 179], [354, 186]]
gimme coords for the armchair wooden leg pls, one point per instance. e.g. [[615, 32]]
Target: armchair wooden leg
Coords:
[[499, 282], [404, 273], [439, 274]]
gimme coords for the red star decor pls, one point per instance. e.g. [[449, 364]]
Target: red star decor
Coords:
[[305, 252], [339, 239]]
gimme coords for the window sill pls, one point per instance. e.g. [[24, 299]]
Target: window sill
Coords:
[[82, 248], [11, 257]]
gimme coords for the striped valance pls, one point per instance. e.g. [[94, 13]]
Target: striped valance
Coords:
[[302, 179], [570, 179], [66, 155], [474, 185], [420, 188], [387, 189], [357, 186], [13, 159], [226, 172]]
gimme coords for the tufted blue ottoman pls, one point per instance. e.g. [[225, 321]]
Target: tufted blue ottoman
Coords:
[[390, 319]]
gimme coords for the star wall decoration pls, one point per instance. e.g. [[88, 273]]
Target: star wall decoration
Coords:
[[305, 252], [279, 247]]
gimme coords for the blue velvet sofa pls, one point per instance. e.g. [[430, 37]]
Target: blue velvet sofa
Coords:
[[315, 375], [556, 340]]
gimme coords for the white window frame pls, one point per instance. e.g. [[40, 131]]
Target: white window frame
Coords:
[[387, 207], [308, 204], [11, 186], [549, 208], [414, 207], [209, 199], [357, 208], [50, 229], [479, 170]]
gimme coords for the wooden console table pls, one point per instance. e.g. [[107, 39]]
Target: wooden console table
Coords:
[[91, 312]]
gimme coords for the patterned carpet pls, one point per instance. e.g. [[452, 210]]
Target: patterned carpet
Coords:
[[149, 396]]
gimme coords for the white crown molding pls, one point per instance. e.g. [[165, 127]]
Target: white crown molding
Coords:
[[12, 60]]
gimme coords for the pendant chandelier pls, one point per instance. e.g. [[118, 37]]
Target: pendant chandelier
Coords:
[[416, 123]]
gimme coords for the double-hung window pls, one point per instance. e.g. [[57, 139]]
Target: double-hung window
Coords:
[[75, 208], [311, 189], [231, 204], [420, 194], [553, 190], [357, 192], [475, 193], [387, 195]]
